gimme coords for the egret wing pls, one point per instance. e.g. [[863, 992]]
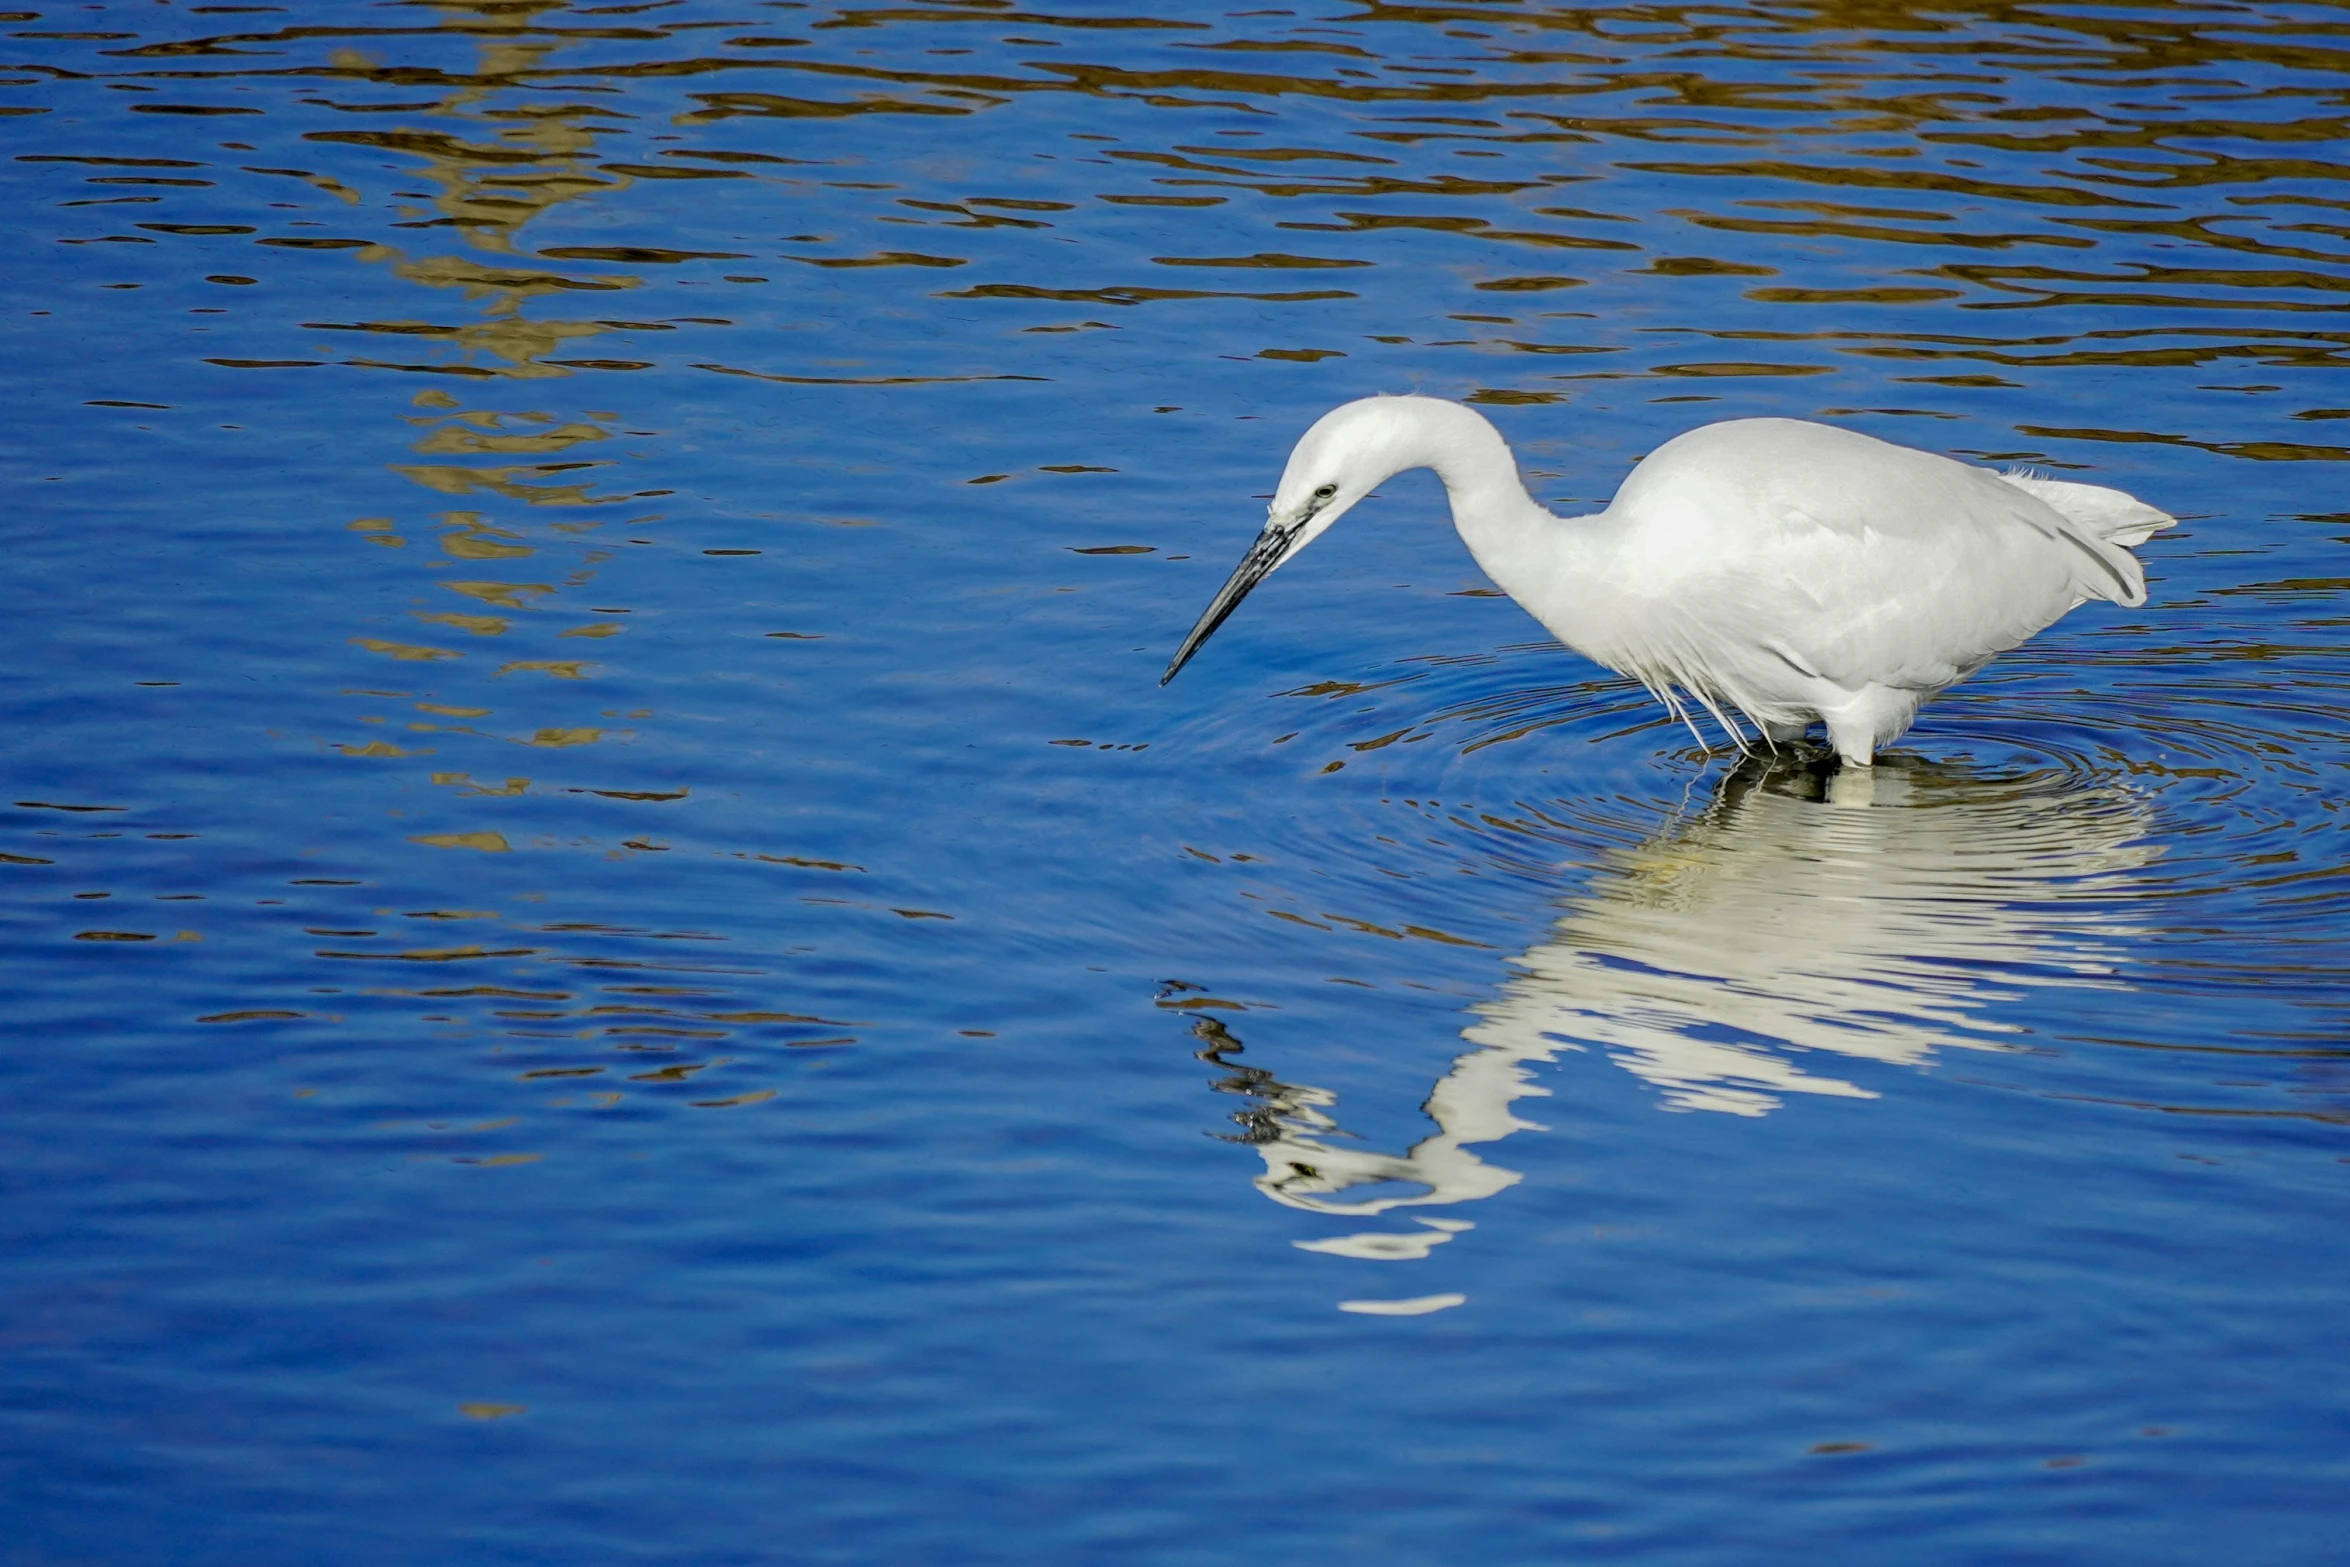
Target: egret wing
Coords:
[[1848, 559]]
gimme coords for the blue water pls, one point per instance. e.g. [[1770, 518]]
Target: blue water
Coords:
[[613, 953]]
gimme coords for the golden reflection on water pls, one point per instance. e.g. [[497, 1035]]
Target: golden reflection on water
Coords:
[[497, 171], [1793, 922]]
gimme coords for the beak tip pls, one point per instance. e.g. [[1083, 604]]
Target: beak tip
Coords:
[[1272, 546]]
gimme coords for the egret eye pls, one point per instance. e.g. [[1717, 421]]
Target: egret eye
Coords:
[[1325, 492]]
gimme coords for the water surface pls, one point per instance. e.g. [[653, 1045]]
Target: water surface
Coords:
[[614, 953]]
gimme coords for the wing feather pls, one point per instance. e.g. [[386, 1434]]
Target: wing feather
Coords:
[[1766, 548]]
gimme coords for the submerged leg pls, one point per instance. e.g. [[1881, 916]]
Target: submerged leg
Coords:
[[1871, 717]]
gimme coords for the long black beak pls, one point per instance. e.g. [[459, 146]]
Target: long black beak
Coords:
[[1271, 549]]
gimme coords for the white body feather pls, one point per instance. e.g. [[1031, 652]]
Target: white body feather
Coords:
[[1797, 573], [1787, 571]]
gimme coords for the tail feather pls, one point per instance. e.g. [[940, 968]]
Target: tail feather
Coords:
[[2106, 514]]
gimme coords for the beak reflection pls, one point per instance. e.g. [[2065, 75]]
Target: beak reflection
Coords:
[[1272, 547]]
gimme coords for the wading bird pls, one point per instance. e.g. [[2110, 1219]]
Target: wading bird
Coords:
[[1790, 572]]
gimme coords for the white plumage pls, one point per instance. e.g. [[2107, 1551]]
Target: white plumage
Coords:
[[1789, 572]]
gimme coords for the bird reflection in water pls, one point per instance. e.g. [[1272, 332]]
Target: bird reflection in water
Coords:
[[1801, 914]]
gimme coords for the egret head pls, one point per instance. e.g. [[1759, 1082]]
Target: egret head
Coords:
[[1350, 451]]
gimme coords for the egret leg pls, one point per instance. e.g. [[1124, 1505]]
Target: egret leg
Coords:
[[1873, 716], [1776, 733]]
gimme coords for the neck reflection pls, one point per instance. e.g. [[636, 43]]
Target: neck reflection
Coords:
[[1875, 916]]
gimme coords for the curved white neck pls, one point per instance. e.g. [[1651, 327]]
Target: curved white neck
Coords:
[[1520, 545]]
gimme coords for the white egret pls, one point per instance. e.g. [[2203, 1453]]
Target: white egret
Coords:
[[1791, 572]]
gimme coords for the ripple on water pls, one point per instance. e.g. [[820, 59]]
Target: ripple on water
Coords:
[[1741, 926]]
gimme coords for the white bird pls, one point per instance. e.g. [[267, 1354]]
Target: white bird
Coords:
[[1790, 572]]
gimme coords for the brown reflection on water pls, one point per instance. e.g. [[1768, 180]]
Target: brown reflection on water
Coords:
[[482, 184], [1984, 128], [519, 485], [526, 162], [1994, 128]]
